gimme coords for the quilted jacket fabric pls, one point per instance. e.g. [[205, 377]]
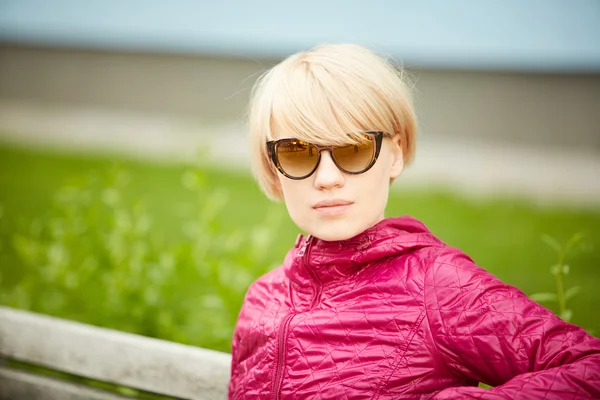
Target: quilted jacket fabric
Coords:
[[395, 313]]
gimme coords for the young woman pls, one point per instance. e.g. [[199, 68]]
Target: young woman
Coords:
[[365, 307]]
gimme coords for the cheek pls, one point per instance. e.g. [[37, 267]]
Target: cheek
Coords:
[[377, 179], [373, 186], [293, 195], [288, 187]]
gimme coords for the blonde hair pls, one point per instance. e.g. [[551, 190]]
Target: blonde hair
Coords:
[[320, 96]]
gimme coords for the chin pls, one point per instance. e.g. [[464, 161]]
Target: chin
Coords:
[[332, 232]]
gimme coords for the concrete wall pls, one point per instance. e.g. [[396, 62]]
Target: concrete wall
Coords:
[[547, 109]]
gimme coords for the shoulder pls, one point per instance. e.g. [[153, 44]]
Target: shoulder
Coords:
[[450, 268], [454, 285]]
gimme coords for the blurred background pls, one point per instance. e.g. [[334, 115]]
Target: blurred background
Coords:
[[126, 199]]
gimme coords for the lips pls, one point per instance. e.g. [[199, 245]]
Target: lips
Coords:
[[332, 207]]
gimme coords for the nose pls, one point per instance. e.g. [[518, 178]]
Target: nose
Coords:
[[328, 175]]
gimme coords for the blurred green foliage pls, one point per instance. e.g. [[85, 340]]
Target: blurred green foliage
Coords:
[[561, 296], [94, 257], [169, 250]]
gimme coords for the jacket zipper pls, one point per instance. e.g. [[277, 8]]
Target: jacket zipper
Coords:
[[311, 271], [304, 246], [280, 354], [286, 323], [304, 254]]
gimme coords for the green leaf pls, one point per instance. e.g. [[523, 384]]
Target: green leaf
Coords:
[[567, 315], [575, 244], [575, 239], [543, 297], [550, 241], [572, 292]]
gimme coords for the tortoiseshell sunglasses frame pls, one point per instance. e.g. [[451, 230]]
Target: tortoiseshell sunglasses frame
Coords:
[[272, 153]]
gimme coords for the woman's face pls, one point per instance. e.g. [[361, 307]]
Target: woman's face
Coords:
[[332, 205]]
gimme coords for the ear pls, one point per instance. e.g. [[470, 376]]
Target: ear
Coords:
[[397, 157]]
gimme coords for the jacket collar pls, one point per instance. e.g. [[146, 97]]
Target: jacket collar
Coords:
[[325, 261]]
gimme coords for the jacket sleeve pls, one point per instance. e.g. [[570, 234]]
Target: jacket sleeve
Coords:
[[236, 349], [234, 367], [491, 332]]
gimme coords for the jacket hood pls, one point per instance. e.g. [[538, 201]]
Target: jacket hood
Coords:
[[331, 260]]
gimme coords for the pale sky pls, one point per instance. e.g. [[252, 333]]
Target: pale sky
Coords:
[[536, 35]]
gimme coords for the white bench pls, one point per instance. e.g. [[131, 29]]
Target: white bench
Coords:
[[119, 358]]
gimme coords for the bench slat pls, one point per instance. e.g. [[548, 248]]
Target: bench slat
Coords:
[[21, 385], [112, 356]]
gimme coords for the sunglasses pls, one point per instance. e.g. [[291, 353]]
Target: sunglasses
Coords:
[[297, 159]]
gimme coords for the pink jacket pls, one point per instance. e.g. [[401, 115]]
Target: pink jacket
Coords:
[[395, 313]]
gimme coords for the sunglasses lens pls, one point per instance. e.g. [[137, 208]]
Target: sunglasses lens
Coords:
[[356, 158], [297, 158]]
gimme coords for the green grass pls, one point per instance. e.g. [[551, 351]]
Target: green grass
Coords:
[[503, 235]]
